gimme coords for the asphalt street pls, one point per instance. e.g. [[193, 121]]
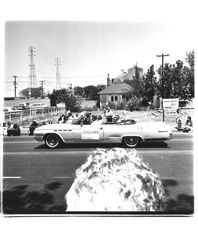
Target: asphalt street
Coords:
[[36, 179]]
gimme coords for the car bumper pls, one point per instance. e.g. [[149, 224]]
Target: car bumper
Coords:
[[38, 137]]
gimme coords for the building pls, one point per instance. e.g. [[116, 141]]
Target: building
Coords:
[[130, 74], [117, 92]]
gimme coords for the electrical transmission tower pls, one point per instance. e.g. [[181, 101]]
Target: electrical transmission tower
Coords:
[[32, 75], [42, 87], [15, 83], [57, 64]]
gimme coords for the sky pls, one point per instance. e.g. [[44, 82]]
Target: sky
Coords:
[[88, 51]]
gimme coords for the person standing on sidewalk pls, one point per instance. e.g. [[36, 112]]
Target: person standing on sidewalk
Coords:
[[32, 127]]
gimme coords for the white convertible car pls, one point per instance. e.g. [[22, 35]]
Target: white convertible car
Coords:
[[82, 130]]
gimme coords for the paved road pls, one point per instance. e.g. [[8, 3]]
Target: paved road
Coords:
[[36, 178]]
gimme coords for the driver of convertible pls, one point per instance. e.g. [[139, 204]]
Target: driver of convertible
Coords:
[[87, 119]]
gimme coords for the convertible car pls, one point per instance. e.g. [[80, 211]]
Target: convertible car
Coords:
[[83, 130]]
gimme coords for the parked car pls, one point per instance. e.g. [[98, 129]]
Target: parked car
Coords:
[[8, 110], [82, 130], [24, 104], [19, 108]]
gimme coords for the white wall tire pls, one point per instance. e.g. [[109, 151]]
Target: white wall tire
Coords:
[[52, 141], [131, 141]]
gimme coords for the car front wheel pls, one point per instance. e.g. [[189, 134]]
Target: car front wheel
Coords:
[[52, 141], [131, 141]]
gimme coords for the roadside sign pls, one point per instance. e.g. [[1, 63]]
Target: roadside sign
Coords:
[[169, 108], [170, 104]]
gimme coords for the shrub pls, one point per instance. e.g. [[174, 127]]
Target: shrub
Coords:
[[134, 104], [144, 102], [120, 106], [112, 105], [94, 108]]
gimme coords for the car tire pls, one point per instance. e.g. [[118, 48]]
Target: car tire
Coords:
[[52, 141], [131, 141]]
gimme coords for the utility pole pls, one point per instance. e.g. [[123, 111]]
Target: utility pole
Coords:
[[162, 87], [42, 83], [15, 83], [162, 56]]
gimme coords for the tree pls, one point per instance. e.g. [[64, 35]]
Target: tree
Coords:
[[136, 84], [178, 79], [190, 59], [91, 92], [189, 74], [35, 92], [164, 83], [78, 91], [62, 95], [149, 84], [174, 84], [100, 87]]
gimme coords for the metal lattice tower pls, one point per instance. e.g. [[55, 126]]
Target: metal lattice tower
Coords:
[[57, 64], [32, 75]]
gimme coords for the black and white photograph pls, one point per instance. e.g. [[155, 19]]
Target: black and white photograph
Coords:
[[97, 118]]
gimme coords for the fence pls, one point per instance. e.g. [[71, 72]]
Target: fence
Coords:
[[20, 116]]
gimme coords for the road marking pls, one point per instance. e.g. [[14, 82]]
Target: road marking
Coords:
[[48, 153], [12, 142], [11, 177], [154, 152], [181, 139], [62, 177]]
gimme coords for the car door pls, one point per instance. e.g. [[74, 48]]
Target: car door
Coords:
[[71, 133], [113, 133]]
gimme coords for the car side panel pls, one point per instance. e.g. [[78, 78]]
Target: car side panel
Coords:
[[115, 133]]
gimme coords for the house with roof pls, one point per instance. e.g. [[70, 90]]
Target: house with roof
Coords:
[[117, 92]]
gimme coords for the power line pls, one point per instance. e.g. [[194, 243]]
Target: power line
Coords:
[[62, 77]]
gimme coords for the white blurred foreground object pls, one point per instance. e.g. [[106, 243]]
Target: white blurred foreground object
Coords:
[[115, 179]]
